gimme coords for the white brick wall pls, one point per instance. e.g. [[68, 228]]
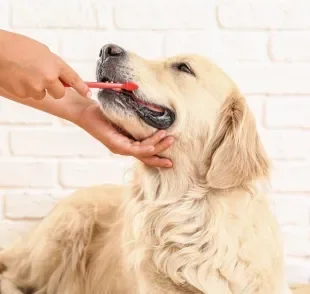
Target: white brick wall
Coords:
[[263, 44]]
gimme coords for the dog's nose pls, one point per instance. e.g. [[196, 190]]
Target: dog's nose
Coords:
[[110, 50]]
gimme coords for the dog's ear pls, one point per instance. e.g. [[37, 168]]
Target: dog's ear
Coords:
[[235, 155]]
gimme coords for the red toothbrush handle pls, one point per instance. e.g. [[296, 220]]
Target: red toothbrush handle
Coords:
[[98, 85]]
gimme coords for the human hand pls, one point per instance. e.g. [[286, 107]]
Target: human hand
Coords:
[[93, 121], [29, 69]]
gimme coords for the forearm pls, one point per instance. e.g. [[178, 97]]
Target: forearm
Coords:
[[70, 107]]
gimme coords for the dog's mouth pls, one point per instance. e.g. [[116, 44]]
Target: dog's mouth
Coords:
[[155, 115]]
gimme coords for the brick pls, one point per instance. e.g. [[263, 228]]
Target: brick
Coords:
[[292, 210], [34, 205], [264, 14], [22, 173], [1, 208], [296, 241], [86, 70], [81, 173], [11, 231], [45, 36], [53, 14], [86, 46], [49, 142], [4, 149], [4, 13], [288, 112], [286, 46], [298, 270], [235, 45], [15, 113], [104, 13], [286, 144], [262, 78], [161, 14], [291, 177], [256, 104]]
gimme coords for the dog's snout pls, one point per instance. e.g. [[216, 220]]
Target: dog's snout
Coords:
[[111, 50]]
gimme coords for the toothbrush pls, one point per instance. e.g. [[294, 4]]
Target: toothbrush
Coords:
[[98, 85]]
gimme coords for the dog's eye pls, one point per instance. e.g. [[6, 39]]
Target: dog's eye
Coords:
[[185, 68]]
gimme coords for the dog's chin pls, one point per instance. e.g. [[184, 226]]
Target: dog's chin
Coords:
[[128, 125], [133, 116]]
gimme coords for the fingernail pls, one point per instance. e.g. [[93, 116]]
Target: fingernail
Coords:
[[168, 165], [89, 94]]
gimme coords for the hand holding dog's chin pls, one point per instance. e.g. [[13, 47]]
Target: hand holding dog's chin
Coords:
[[92, 120]]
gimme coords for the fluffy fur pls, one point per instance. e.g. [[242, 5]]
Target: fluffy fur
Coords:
[[203, 226]]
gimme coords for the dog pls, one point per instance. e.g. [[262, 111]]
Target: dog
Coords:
[[203, 226]]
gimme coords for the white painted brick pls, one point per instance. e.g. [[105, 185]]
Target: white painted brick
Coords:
[[1, 207], [286, 46], [161, 14], [47, 37], [288, 112], [15, 113], [86, 70], [82, 45], [298, 270], [286, 144], [292, 210], [296, 241], [10, 231], [256, 104], [22, 173], [291, 177], [81, 173], [49, 142], [4, 138], [241, 46], [261, 78], [104, 12], [264, 14], [53, 14], [4, 13], [34, 205]]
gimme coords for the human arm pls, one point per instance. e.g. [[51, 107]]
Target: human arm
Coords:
[[28, 69], [86, 114]]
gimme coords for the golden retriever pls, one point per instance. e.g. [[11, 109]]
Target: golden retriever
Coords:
[[203, 226]]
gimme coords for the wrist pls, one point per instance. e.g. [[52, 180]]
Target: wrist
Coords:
[[75, 106]]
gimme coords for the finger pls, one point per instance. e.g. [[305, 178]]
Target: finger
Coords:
[[56, 89], [38, 95], [154, 139], [70, 77], [129, 148], [163, 145], [156, 161]]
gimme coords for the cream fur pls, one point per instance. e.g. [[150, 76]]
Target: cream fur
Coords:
[[204, 226]]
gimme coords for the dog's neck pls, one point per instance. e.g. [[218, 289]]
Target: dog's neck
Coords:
[[182, 229]]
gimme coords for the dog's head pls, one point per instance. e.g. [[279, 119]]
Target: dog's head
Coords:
[[191, 98]]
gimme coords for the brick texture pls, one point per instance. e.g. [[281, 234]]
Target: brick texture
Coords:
[[49, 143], [264, 45], [72, 174], [4, 13]]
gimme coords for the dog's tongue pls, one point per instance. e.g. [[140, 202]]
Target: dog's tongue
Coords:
[[151, 106]]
